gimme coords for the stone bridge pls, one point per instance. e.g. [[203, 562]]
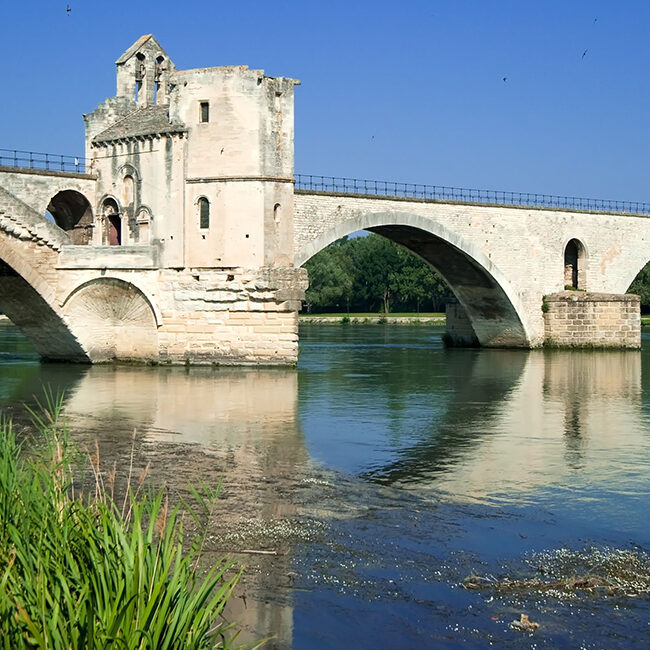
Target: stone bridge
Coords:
[[499, 261], [180, 236]]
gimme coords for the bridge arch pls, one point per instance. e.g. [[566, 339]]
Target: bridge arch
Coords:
[[27, 298], [495, 311], [117, 320]]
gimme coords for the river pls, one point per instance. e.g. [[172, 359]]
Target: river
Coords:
[[386, 470]]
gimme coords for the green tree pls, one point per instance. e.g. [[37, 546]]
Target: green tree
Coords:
[[330, 282], [372, 274]]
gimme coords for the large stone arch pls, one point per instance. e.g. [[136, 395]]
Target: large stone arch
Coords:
[[624, 284], [27, 299], [114, 320], [497, 317]]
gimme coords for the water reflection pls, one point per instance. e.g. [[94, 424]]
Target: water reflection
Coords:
[[233, 425], [523, 422], [378, 430]]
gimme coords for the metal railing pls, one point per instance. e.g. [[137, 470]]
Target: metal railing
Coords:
[[44, 161], [335, 184], [463, 195]]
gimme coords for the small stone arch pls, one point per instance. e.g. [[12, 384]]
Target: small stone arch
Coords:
[[159, 90], [575, 265], [112, 222], [114, 320], [73, 213], [127, 169], [140, 74]]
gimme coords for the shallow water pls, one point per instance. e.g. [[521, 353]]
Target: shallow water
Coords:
[[383, 472]]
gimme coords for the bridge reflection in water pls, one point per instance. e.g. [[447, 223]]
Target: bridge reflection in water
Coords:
[[506, 426], [525, 422]]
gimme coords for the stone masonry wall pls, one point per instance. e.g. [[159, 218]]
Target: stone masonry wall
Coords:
[[230, 316], [578, 319], [196, 316]]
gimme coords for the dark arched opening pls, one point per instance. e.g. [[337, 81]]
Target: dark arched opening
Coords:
[[641, 287], [140, 73], [112, 222], [71, 211], [574, 266]]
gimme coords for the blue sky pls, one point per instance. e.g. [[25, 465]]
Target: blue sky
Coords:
[[405, 91]]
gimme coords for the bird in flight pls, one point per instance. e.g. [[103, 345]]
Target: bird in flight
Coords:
[[505, 78], [584, 53], [67, 10]]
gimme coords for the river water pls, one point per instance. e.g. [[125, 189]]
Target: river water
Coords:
[[386, 470]]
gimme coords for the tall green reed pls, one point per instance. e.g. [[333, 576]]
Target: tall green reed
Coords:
[[79, 571]]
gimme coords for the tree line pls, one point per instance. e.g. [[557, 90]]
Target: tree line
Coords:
[[372, 274]]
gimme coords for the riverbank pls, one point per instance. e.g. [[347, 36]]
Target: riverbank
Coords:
[[370, 319]]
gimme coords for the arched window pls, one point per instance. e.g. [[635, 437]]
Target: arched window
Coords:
[[204, 213], [143, 221], [575, 276], [277, 213]]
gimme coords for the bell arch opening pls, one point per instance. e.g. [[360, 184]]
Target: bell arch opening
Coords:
[[71, 211], [483, 313]]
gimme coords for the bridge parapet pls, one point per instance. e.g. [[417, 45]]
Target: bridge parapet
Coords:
[[339, 186]]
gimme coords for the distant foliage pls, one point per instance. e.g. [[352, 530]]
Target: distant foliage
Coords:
[[641, 286], [372, 274]]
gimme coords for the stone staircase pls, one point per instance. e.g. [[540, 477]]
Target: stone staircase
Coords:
[[19, 220]]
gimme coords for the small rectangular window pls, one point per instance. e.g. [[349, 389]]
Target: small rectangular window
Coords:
[[204, 115]]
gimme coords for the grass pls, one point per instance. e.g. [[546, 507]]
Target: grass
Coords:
[[376, 315], [82, 571]]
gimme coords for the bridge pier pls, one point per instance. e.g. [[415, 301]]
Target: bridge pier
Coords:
[[577, 319]]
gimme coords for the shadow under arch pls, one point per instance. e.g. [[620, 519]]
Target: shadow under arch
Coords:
[[490, 303], [36, 319]]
